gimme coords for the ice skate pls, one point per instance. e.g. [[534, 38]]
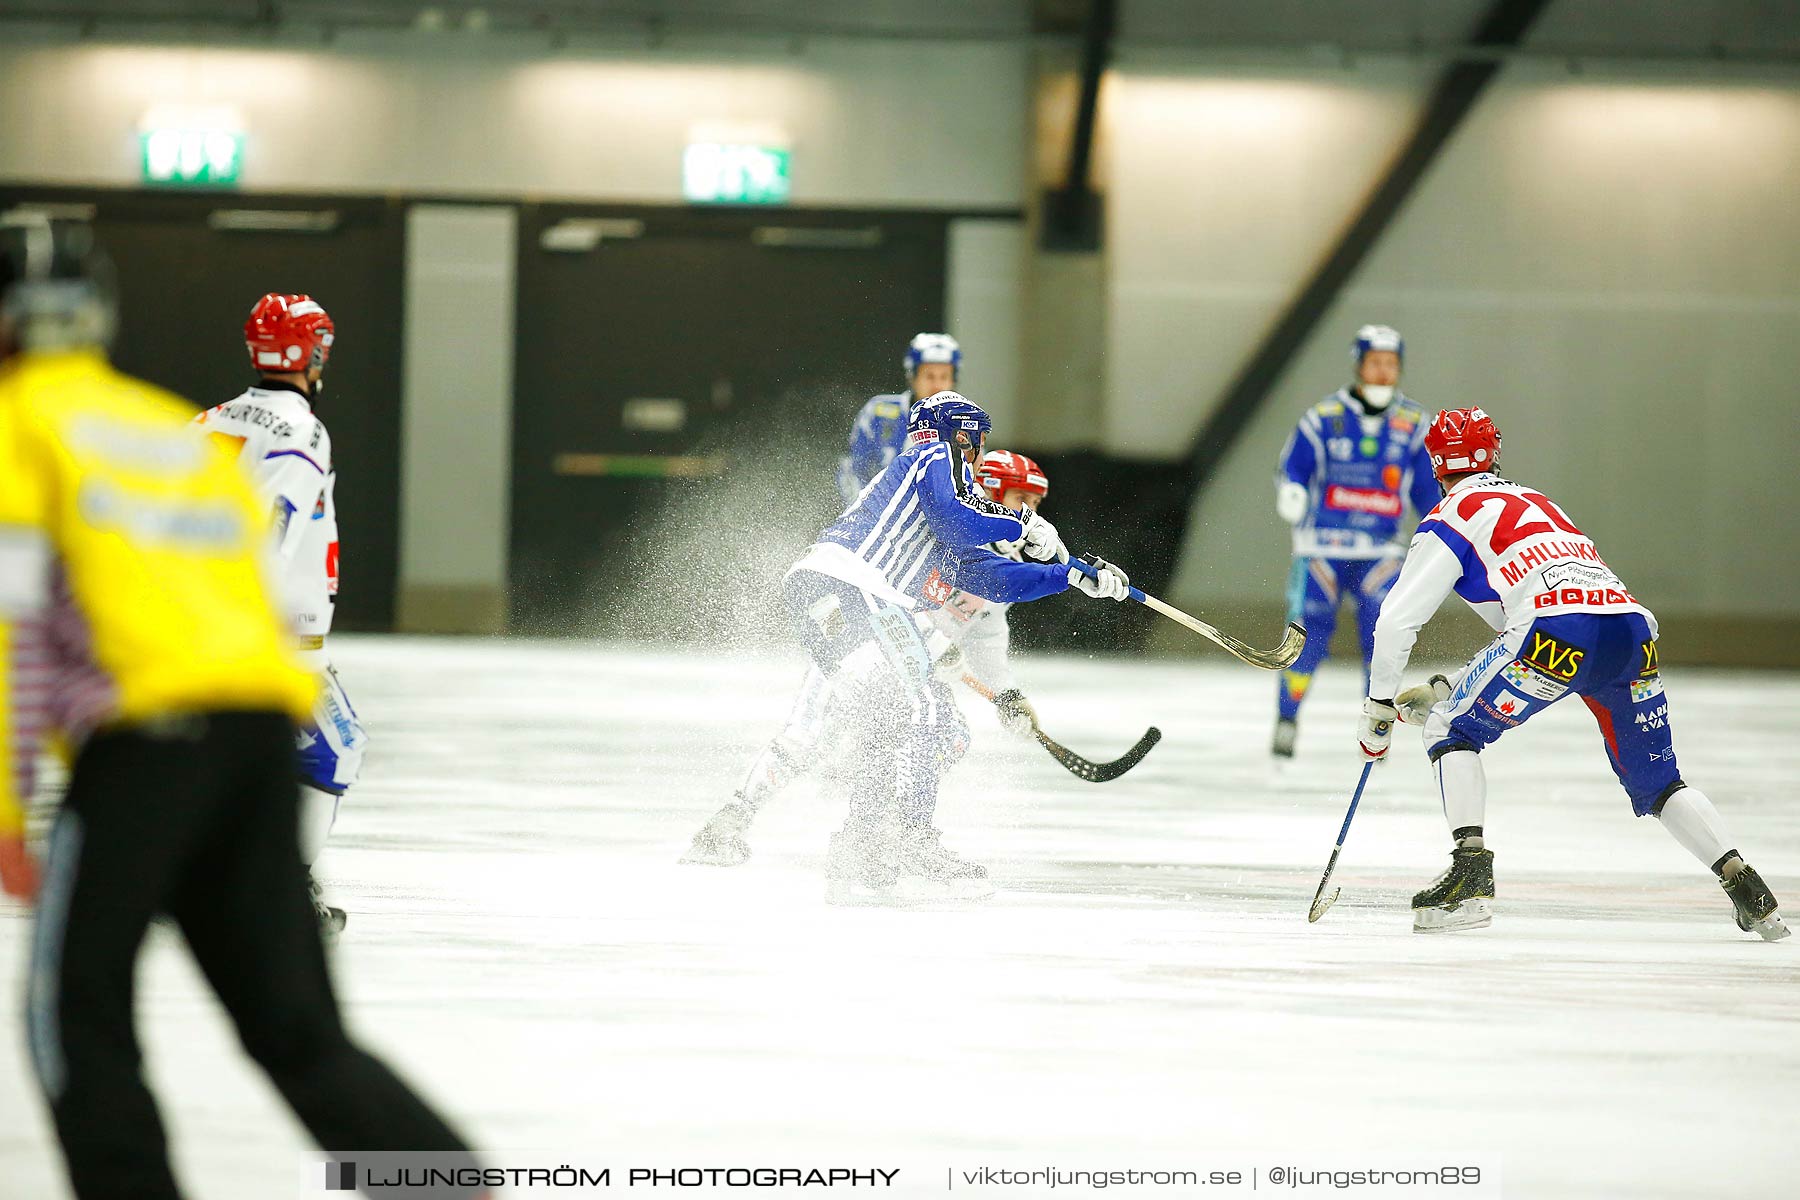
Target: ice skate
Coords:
[[721, 842], [928, 871], [861, 867], [331, 919], [1461, 898], [1285, 734], [1755, 905]]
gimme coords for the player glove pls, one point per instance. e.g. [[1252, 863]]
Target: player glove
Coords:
[[1107, 582], [1377, 728], [1416, 703], [18, 873], [1291, 501], [1041, 541], [946, 655], [1016, 714]]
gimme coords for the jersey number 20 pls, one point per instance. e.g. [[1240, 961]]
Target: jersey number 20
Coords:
[[1507, 529]]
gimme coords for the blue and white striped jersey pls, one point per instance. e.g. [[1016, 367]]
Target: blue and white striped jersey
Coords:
[[913, 534]]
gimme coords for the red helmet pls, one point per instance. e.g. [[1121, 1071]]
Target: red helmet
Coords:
[[1002, 471], [288, 333], [1462, 440]]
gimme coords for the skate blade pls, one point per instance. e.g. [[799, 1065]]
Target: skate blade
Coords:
[[1470, 914], [1771, 928]]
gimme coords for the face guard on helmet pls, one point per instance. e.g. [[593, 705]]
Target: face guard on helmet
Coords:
[[1003, 471], [287, 333], [956, 421], [1462, 440], [932, 348], [1370, 338]]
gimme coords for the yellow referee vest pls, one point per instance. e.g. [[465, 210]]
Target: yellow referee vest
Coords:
[[138, 543]]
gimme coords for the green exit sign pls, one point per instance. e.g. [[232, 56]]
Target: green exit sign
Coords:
[[727, 173], [191, 157]]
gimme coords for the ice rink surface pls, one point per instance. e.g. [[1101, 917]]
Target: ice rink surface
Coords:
[[522, 944]]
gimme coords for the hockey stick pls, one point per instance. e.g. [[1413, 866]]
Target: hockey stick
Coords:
[[1321, 901], [1269, 660], [1091, 771]]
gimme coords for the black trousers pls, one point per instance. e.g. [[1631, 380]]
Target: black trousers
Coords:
[[195, 817]]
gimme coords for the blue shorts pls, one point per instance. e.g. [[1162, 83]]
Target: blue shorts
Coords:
[[1608, 660]]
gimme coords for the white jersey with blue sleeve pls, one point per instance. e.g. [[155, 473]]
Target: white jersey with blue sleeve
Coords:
[[1511, 553], [913, 537], [284, 449]]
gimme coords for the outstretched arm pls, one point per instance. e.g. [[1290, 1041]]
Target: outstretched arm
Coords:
[[1431, 571], [963, 523]]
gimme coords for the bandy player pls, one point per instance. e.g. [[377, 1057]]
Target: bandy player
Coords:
[[1345, 476], [283, 446], [1566, 624], [973, 626]]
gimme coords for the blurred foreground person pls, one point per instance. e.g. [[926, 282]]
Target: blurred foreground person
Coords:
[[283, 447], [139, 629]]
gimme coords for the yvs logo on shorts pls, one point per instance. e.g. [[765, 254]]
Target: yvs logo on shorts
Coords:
[[1648, 649], [1559, 660]]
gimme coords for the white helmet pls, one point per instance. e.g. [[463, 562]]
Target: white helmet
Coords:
[[933, 348], [1376, 337]]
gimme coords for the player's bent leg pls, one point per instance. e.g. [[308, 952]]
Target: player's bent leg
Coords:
[[723, 841], [1632, 711], [331, 753], [132, 815], [929, 869], [1313, 596], [1491, 697], [243, 908]]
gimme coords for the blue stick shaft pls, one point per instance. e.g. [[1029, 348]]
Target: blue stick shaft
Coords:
[[1354, 801]]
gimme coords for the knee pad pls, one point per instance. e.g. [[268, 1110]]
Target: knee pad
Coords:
[[1451, 746], [1655, 806]]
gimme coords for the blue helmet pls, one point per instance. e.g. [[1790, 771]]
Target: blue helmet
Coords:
[[1376, 337], [953, 419], [932, 347]]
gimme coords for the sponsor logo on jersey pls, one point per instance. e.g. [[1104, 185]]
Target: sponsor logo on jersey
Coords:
[[1477, 672], [1532, 683], [936, 589], [920, 437], [1390, 477], [1656, 718], [1648, 649], [1557, 659], [1379, 501], [1645, 689], [1510, 705], [1505, 708], [887, 408], [1592, 597], [1548, 552]]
